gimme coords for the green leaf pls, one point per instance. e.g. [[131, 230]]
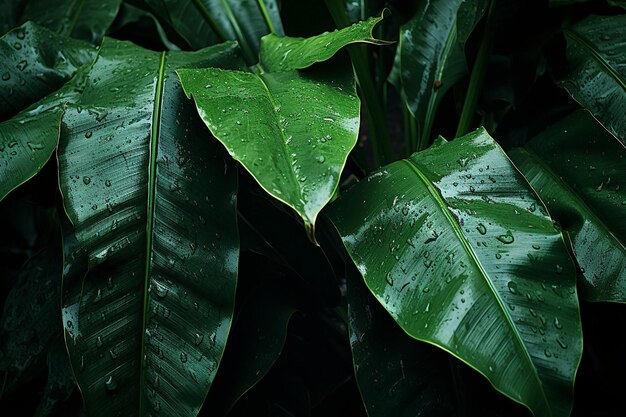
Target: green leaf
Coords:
[[283, 53], [397, 376], [453, 243], [255, 344], [597, 76], [206, 22], [152, 200], [82, 19], [61, 381], [291, 130], [577, 168], [35, 62], [430, 59]]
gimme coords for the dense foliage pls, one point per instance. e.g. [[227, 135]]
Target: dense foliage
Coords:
[[287, 208]]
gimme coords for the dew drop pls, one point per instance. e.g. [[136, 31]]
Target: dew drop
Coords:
[[559, 269], [183, 357], [6, 76], [557, 323], [107, 183], [197, 338], [88, 134], [481, 228], [507, 238], [111, 384], [561, 343], [99, 342], [512, 287], [86, 180]]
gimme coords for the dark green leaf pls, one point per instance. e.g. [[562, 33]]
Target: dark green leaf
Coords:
[[577, 168], [596, 51], [82, 19], [282, 53], [206, 22], [152, 200], [430, 58], [35, 62], [60, 382], [291, 130], [455, 245]]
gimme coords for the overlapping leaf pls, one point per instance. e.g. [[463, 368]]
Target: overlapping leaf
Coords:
[[455, 245], [596, 51], [430, 58], [577, 168], [152, 201]]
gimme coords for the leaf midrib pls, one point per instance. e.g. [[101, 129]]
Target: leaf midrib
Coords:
[[443, 206], [154, 138], [582, 41]]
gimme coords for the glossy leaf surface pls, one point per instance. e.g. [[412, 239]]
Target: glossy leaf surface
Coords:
[[35, 62], [291, 130], [577, 168], [82, 19], [456, 247], [283, 53], [152, 200], [206, 22], [596, 51], [429, 58], [397, 375]]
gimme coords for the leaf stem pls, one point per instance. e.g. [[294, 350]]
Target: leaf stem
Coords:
[[479, 71], [266, 16]]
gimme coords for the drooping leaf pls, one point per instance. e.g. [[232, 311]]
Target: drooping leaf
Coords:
[[82, 19], [206, 22], [597, 77], [291, 130], [455, 246], [397, 375], [255, 344], [577, 168], [31, 318], [152, 201], [283, 53], [35, 62], [430, 59]]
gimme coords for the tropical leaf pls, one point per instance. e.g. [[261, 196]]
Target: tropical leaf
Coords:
[[430, 59], [255, 344], [152, 200], [35, 62], [82, 19], [597, 76], [60, 382], [576, 167], [291, 130], [283, 53], [455, 245], [397, 375], [206, 22]]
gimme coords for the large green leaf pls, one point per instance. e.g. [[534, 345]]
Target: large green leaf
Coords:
[[455, 245], [82, 19], [430, 59], [283, 53], [152, 200], [35, 62], [577, 168], [205, 22], [291, 130], [596, 51], [60, 383]]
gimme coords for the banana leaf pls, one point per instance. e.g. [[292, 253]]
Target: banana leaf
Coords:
[[152, 202], [577, 168], [457, 248]]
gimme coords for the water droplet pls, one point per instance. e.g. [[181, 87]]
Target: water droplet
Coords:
[[157, 406], [512, 287], [107, 183], [462, 162], [536, 247], [481, 228], [561, 343], [111, 384], [428, 263], [425, 290], [161, 291], [34, 146], [321, 159], [98, 296], [389, 279], [197, 339], [547, 353], [605, 37], [507, 238], [6, 76], [498, 256], [112, 354], [88, 134], [557, 323], [22, 65], [99, 342], [86, 180], [559, 269], [208, 86], [183, 357]]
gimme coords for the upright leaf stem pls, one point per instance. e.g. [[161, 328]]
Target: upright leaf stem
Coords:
[[479, 71]]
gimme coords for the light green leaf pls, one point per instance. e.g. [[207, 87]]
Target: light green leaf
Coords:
[[430, 58], [455, 245], [577, 168], [291, 130], [152, 200], [206, 22], [596, 51], [35, 62], [283, 53], [82, 19]]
